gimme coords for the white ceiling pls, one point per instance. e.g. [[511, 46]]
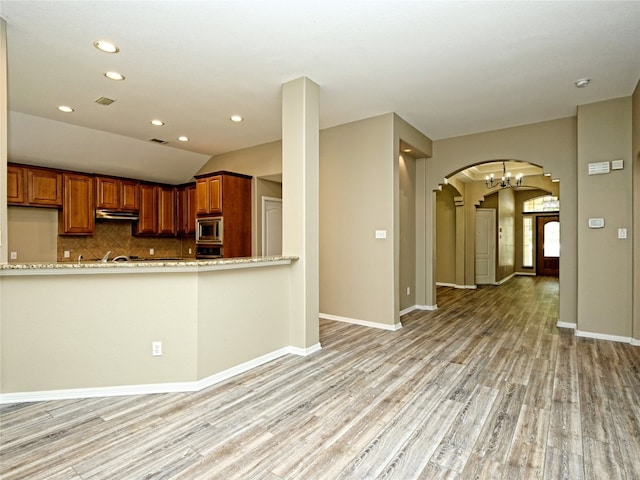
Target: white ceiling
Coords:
[[448, 68]]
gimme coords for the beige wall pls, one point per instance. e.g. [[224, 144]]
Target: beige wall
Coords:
[[4, 252], [636, 210], [82, 340], [446, 236], [257, 161], [506, 234], [551, 145], [605, 263], [407, 174], [356, 191], [424, 224], [33, 234], [249, 316]]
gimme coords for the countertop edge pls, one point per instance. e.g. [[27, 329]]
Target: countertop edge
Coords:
[[84, 268]]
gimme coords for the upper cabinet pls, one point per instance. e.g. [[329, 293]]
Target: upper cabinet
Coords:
[[209, 195], [15, 185], [218, 192], [117, 194], [77, 216], [186, 209], [33, 186], [157, 210], [147, 223], [166, 210]]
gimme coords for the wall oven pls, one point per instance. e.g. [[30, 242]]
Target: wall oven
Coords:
[[204, 252], [209, 231]]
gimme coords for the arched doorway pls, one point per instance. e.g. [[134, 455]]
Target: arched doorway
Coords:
[[456, 203]]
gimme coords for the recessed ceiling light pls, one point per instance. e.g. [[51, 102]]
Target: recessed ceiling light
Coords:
[[114, 76], [236, 118], [157, 123], [407, 150], [105, 46], [182, 138], [65, 109], [583, 82]]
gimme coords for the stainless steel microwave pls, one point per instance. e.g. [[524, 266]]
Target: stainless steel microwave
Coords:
[[209, 231]]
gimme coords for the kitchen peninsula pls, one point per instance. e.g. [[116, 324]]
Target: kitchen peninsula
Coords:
[[87, 329]]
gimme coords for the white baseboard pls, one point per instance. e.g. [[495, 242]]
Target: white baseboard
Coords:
[[603, 336], [303, 352], [572, 326], [526, 274], [364, 323], [72, 393], [417, 307], [455, 285], [505, 279], [598, 336]]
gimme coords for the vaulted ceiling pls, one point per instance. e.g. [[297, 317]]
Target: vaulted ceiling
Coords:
[[447, 68]]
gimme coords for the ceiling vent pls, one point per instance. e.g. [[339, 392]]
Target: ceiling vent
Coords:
[[157, 140], [104, 101]]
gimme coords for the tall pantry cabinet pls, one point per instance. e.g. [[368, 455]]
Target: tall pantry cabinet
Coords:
[[227, 195]]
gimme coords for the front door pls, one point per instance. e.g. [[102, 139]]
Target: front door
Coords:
[[548, 246]]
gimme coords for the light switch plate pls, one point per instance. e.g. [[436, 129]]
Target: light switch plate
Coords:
[[622, 233], [596, 223]]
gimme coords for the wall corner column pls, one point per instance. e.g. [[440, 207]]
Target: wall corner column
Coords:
[[300, 206], [4, 238]]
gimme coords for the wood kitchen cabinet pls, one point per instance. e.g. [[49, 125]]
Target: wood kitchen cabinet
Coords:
[[77, 216], [116, 194], [186, 209], [166, 210], [15, 185], [228, 195], [33, 186], [209, 195], [147, 223], [157, 214]]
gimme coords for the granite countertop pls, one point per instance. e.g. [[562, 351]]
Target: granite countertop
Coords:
[[145, 266]]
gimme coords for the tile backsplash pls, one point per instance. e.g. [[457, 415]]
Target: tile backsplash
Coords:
[[115, 236]]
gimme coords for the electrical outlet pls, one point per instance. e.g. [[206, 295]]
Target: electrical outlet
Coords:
[[190, 252], [381, 234], [408, 290], [152, 251], [156, 349], [67, 254], [14, 255]]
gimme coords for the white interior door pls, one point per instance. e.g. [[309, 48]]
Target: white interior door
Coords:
[[271, 226], [485, 246]]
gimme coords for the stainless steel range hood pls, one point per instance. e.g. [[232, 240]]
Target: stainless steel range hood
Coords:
[[115, 215]]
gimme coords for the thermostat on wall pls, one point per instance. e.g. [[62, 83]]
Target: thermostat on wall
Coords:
[[596, 222]]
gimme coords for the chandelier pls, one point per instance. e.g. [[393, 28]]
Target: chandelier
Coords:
[[506, 181]]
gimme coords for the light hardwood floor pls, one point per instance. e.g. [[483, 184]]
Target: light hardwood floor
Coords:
[[485, 387]]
